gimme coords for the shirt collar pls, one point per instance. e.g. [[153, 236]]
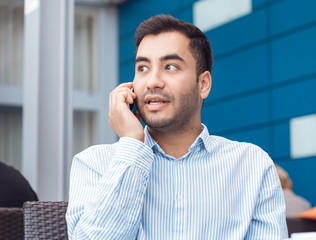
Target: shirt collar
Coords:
[[203, 140], [149, 141]]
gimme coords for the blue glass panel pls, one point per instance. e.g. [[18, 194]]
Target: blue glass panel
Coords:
[[289, 14], [294, 56], [237, 113], [241, 32], [240, 72], [259, 136], [281, 140], [294, 100]]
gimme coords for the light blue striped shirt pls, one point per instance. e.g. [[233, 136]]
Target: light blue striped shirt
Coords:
[[220, 189]]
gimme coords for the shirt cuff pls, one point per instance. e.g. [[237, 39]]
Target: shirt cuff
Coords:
[[134, 152]]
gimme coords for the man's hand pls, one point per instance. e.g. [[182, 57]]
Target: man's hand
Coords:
[[121, 118]]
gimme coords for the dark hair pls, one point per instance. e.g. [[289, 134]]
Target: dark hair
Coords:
[[199, 45]]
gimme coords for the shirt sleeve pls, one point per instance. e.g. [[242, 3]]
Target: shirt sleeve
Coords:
[[269, 221], [107, 203]]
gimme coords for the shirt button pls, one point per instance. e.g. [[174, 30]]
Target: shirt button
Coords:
[[139, 199], [149, 160], [179, 161], [179, 198], [198, 149]]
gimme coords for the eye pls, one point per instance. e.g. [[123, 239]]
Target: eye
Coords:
[[171, 67], [142, 68]]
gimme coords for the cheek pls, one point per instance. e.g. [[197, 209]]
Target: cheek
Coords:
[[137, 91]]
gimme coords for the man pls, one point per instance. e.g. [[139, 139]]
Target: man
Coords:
[[172, 180]]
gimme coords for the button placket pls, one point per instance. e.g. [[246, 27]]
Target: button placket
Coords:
[[179, 198]]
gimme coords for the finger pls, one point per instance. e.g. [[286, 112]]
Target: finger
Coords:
[[121, 87], [130, 98], [119, 95], [127, 84], [126, 93], [123, 91]]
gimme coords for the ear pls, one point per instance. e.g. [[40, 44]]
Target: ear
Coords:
[[205, 83]]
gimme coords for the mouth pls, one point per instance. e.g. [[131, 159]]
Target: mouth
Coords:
[[150, 99], [156, 103]]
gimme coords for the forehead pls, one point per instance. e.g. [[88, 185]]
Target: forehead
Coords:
[[163, 44]]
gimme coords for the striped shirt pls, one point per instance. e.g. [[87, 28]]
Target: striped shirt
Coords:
[[220, 189]]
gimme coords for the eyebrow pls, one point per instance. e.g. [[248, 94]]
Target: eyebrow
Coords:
[[172, 57], [142, 59], [163, 58]]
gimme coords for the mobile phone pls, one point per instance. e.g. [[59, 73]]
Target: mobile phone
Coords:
[[132, 106]]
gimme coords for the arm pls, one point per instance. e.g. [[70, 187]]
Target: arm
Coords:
[[268, 221], [107, 204], [106, 186]]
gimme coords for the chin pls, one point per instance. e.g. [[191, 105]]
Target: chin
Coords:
[[157, 123], [163, 124]]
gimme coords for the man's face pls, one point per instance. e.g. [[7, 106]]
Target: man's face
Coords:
[[166, 83]]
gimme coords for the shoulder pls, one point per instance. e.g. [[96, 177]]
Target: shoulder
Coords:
[[95, 157], [225, 145], [243, 153], [98, 157], [101, 150]]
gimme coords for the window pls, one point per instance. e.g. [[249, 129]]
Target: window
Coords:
[[11, 75], [11, 44], [11, 136], [85, 50], [84, 130]]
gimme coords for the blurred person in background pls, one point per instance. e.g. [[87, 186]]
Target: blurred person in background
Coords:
[[294, 203], [14, 188]]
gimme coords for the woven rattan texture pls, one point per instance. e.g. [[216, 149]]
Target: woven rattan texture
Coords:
[[45, 220], [11, 224]]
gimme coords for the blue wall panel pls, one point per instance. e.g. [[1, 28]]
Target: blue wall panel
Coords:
[[240, 72], [256, 3], [281, 141], [127, 72], [240, 32], [185, 14], [302, 173], [289, 14], [187, 2], [127, 49], [294, 56], [133, 12], [294, 100], [259, 136], [237, 113]]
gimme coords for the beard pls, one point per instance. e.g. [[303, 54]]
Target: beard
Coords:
[[185, 110]]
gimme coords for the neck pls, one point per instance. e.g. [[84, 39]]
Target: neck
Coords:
[[176, 143]]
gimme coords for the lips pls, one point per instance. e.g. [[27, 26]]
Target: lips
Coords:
[[152, 100], [155, 103]]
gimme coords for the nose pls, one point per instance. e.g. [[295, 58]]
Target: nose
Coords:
[[155, 80]]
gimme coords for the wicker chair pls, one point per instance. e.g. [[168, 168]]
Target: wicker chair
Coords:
[[45, 220], [11, 224]]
